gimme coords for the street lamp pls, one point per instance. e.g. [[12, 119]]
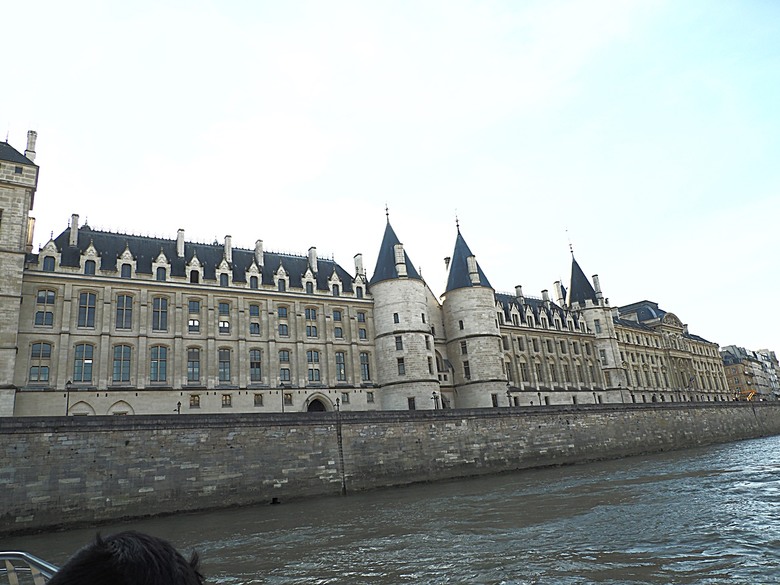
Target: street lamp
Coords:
[[338, 405], [435, 399], [68, 384], [509, 393]]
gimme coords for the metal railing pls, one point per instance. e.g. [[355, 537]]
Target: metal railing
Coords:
[[19, 568]]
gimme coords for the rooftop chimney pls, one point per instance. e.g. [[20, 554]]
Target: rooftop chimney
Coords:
[[400, 260], [229, 248], [359, 270], [519, 292], [597, 287], [74, 230], [32, 136], [180, 243], [259, 253], [313, 259], [559, 293], [546, 296]]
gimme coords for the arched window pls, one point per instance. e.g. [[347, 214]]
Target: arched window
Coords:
[[40, 357], [126, 271], [194, 276], [223, 279], [89, 267], [309, 288], [48, 264], [253, 282], [281, 285], [336, 290], [121, 363], [161, 273], [359, 292], [158, 364], [82, 362]]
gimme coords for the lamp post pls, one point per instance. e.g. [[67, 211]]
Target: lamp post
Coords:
[[338, 405], [178, 407], [68, 384], [435, 399], [509, 393]]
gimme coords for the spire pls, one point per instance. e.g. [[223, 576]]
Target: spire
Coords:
[[393, 260], [580, 289], [464, 270]]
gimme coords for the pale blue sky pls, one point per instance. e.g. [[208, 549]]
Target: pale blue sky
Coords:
[[647, 129]]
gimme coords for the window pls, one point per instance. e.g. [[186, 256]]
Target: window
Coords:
[[124, 312], [44, 315], [161, 274], [365, 372], [422, 316], [40, 355], [193, 325], [284, 376], [193, 365], [539, 373], [224, 327], [395, 318], [460, 325], [194, 400], [494, 400], [370, 397], [399, 343], [255, 368], [410, 403], [288, 399], [466, 370], [126, 271], [48, 264], [82, 363], [17, 170], [504, 342], [566, 373], [338, 332], [401, 367], [313, 359], [576, 348], [336, 290], [563, 346], [224, 308], [284, 356], [254, 310], [121, 363], [311, 331], [282, 312], [227, 401], [193, 306], [535, 344], [86, 310], [309, 288], [597, 325], [362, 333], [258, 400], [253, 283], [430, 365], [223, 280], [524, 371], [427, 342], [224, 366], [281, 285], [283, 330], [160, 314], [341, 373], [361, 317], [337, 314], [89, 267], [603, 356], [359, 292], [464, 348], [254, 328], [345, 398], [520, 344], [194, 276], [158, 364]]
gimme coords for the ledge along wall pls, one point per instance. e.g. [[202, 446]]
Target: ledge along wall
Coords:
[[77, 470]]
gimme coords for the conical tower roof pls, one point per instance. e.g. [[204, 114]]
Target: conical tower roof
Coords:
[[581, 289], [385, 262], [459, 267]]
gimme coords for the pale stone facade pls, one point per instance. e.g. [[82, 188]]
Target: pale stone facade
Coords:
[[103, 323]]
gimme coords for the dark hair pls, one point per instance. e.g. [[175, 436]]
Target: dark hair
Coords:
[[129, 558]]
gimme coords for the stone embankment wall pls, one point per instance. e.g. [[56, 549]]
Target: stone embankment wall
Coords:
[[57, 471]]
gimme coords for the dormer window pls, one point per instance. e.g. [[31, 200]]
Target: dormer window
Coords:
[[48, 264], [194, 276], [282, 285], [359, 292], [309, 288], [161, 274], [89, 267], [223, 279], [336, 290], [126, 271], [253, 282]]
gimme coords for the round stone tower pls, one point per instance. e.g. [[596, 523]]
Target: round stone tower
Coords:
[[405, 355], [473, 339]]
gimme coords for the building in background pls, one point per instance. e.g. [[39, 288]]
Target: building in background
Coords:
[[751, 375], [97, 322]]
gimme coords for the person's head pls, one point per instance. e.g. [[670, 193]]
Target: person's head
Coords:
[[129, 558]]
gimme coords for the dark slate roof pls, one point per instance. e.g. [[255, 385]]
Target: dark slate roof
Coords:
[[538, 306], [145, 250], [580, 288], [10, 154], [459, 269], [644, 310], [385, 262], [631, 324]]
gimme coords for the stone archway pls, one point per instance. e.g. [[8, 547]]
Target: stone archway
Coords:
[[316, 405]]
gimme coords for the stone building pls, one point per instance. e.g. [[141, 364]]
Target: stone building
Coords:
[[750, 374], [97, 322]]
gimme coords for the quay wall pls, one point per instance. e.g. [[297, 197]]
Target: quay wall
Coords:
[[58, 471]]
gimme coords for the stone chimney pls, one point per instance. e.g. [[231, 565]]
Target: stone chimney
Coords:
[[32, 136], [400, 260], [74, 229], [597, 287], [546, 296], [471, 262], [180, 243], [229, 248], [559, 293], [359, 270], [313, 259], [259, 253]]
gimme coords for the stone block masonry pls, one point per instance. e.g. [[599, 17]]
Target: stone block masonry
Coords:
[[87, 470]]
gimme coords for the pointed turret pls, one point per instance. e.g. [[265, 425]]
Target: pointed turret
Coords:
[[580, 290], [464, 269], [392, 261]]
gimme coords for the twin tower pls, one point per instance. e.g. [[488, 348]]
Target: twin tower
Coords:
[[431, 354]]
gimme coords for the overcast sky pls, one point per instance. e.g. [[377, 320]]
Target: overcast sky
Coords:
[[646, 133]]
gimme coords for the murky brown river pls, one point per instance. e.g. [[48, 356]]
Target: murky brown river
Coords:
[[702, 516]]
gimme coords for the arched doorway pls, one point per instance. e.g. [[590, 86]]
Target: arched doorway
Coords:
[[316, 405]]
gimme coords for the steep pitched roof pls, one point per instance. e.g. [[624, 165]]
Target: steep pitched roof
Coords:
[[580, 288], [10, 154], [459, 268], [145, 250], [385, 262]]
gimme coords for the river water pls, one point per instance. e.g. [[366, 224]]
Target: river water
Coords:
[[705, 516]]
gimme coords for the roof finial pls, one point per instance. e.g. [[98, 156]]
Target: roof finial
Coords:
[[457, 223], [387, 212], [571, 248]]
